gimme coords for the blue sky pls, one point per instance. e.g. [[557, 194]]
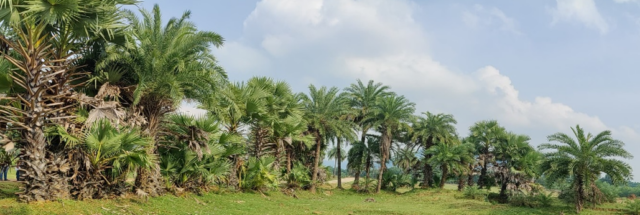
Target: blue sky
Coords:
[[537, 66]]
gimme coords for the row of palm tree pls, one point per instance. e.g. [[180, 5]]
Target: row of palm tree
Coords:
[[89, 93]]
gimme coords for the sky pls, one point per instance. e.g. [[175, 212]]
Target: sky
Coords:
[[537, 66]]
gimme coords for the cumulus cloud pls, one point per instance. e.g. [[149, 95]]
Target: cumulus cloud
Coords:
[[580, 11], [333, 42]]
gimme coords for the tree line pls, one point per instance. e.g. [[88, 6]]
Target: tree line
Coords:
[[88, 100]]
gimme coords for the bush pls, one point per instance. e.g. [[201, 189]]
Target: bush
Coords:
[[299, 177], [472, 192], [595, 194], [633, 207], [531, 200]]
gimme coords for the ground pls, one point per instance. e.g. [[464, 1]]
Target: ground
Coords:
[[327, 201]]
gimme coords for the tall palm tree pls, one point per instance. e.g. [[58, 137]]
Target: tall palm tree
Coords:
[[392, 113], [323, 111], [47, 38], [166, 64], [362, 98], [450, 156], [430, 129], [234, 107], [584, 159], [336, 156], [485, 135]]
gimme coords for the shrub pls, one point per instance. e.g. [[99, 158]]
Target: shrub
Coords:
[[633, 207], [472, 192], [299, 177], [531, 200]]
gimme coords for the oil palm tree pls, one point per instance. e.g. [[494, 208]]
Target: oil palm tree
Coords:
[[333, 154], [323, 111], [165, 64], [391, 114], [362, 98], [429, 129], [485, 135], [405, 159], [584, 159], [450, 157]]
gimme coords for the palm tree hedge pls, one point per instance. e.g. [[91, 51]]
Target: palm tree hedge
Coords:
[[88, 100]]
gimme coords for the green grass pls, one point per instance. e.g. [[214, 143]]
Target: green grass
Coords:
[[328, 201]]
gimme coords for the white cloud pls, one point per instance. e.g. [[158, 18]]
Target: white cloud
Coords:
[[190, 108], [581, 11], [333, 42], [481, 17]]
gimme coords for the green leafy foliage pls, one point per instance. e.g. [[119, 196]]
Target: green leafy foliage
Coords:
[[473, 192]]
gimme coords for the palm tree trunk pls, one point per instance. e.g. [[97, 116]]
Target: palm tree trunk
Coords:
[[233, 175], [428, 169], [339, 165], [384, 148], [580, 193], [461, 181], [316, 160], [470, 179], [288, 162], [356, 180], [483, 176], [148, 180], [40, 183], [503, 185], [366, 173], [443, 179]]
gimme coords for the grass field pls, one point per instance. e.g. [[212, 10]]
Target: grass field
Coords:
[[328, 201]]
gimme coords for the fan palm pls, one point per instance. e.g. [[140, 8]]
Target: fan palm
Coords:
[[511, 154], [194, 151], [485, 135], [429, 129], [323, 111], [362, 98], [451, 156], [391, 113], [109, 150], [583, 159]]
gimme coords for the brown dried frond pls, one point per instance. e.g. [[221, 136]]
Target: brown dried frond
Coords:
[[106, 110], [108, 91]]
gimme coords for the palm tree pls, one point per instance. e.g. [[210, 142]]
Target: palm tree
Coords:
[[584, 159], [337, 156], [485, 135], [47, 38], [450, 156], [166, 64], [234, 108], [194, 152], [430, 129], [112, 153], [323, 111], [510, 154], [392, 113], [362, 98], [405, 159]]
